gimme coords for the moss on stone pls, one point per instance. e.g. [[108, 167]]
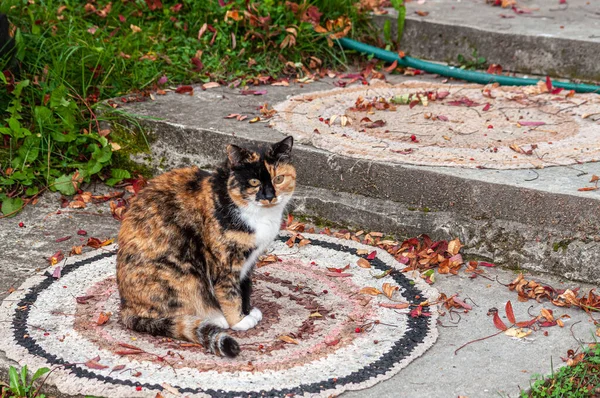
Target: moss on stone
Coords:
[[133, 141]]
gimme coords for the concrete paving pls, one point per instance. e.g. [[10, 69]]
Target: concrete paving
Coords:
[[532, 219], [538, 37], [499, 366]]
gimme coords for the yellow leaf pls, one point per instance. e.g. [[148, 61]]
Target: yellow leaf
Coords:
[[370, 290], [361, 252], [389, 289], [546, 314], [560, 323], [454, 246], [316, 315], [362, 263], [254, 120], [288, 339], [517, 332], [115, 146], [135, 29]]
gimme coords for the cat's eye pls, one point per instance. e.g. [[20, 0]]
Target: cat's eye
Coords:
[[279, 179], [254, 182]]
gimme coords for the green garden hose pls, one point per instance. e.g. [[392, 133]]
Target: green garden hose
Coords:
[[457, 73]]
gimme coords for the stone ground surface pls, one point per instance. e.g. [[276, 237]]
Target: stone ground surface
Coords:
[[547, 38], [514, 217], [499, 366]]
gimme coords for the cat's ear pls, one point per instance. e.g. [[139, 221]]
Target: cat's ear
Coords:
[[283, 149], [237, 155]]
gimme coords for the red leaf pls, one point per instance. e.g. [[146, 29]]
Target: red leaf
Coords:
[[462, 303], [185, 90], [131, 347], [332, 342], [198, 65], [56, 273], [548, 324], [372, 255], [63, 239], [413, 103], [337, 274], [486, 107], [154, 4], [587, 189], [84, 299], [93, 364], [526, 324], [128, 352], [118, 367], [484, 264], [509, 313], [548, 83], [498, 322]]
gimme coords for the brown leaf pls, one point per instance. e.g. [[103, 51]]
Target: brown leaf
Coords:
[[454, 246], [547, 314], [389, 289], [337, 274], [363, 263], [117, 368], [422, 13], [288, 339], [210, 85], [94, 364], [396, 306], [371, 291], [303, 242], [76, 250], [594, 178], [103, 318], [128, 352]]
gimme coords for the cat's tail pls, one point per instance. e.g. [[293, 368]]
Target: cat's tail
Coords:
[[213, 337]]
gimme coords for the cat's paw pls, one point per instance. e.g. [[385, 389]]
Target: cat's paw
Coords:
[[256, 314], [220, 321], [249, 321]]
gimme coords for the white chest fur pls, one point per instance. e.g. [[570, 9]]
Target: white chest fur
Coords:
[[265, 221]]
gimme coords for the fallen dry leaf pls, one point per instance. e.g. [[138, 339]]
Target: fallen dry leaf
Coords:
[[103, 318], [371, 291], [288, 339], [363, 263], [396, 306], [389, 289]]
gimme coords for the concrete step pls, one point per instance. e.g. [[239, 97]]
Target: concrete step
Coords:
[[545, 39], [530, 219]]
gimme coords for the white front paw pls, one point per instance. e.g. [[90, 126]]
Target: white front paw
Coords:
[[256, 314], [247, 323]]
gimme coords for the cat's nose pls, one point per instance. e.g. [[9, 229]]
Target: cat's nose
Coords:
[[267, 193]]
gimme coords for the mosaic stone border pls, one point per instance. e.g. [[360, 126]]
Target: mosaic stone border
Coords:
[[421, 334]]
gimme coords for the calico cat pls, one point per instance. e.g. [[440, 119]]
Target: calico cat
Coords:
[[189, 242]]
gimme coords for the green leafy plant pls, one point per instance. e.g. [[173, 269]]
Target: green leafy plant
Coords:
[[473, 62], [72, 55], [580, 378], [19, 386], [401, 9]]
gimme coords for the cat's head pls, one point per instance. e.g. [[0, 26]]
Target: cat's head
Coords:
[[261, 178]]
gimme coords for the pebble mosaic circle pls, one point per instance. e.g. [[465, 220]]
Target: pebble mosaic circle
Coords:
[[469, 126], [54, 322]]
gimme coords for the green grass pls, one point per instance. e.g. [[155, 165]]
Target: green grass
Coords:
[[73, 55], [581, 380]]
